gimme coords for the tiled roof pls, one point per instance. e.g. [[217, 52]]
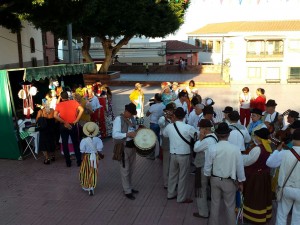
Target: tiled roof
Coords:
[[180, 46], [249, 26]]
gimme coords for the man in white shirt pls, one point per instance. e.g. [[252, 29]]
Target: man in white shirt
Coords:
[[226, 111], [124, 130], [181, 101], [180, 156], [291, 189], [196, 115], [207, 139], [224, 166], [275, 158], [155, 112], [163, 122], [239, 134], [272, 119]]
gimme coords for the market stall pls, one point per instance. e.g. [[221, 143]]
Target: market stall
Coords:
[[9, 132]]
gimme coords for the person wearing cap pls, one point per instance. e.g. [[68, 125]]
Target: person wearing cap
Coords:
[[124, 130], [196, 115], [257, 187], [275, 158], [137, 98], [208, 113], [207, 138], [257, 123], [260, 101], [155, 112], [224, 165], [68, 113], [272, 119], [291, 188], [163, 121], [179, 156], [239, 134], [244, 99], [226, 111], [90, 147]]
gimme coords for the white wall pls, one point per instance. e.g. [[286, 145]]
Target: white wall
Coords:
[[9, 48]]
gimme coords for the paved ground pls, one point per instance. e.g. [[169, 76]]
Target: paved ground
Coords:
[[34, 193]]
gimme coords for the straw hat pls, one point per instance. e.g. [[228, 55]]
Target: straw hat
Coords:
[[90, 129]]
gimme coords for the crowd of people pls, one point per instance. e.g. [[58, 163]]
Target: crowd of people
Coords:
[[240, 157]]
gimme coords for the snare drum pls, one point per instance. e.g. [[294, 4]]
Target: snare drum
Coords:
[[145, 141]]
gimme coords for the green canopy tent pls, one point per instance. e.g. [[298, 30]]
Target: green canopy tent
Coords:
[[9, 131]]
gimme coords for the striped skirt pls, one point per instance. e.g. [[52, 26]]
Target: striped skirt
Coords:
[[88, 174], [258, 198]]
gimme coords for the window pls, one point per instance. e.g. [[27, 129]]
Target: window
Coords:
[[255, 47], [210, 46], [155, 64], [171, 61], [273, 73], [254, 72], [274, 47], [197, 42], [203, 45], [137, 64], [217, 47], [32, 45], [33, 62], [294, 73]]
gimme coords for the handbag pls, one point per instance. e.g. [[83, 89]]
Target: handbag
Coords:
[[279, 190]]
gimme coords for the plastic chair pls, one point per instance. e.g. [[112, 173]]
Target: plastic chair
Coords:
[[30, 144]]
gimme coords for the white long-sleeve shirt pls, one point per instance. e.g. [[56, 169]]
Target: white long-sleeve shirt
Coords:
[[224, 160], [252, 157], [194, 119], [275, 159], [237, 138], [116, 132], [177, 145], [85, 147]]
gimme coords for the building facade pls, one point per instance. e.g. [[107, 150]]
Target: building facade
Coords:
[[256, 52], [21, 50]]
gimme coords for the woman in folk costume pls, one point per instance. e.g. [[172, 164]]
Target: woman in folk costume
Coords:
[[137, 98], [257, 187], [91, 148]]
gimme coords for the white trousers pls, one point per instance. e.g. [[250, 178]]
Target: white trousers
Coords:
[[290, 198]]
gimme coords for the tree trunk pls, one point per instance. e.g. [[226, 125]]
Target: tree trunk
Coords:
[[111, 51], [85, 51]]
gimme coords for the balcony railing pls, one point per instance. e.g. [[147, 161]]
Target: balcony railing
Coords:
[[264, 56]]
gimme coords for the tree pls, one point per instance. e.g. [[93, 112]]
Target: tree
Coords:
[[109, 20]]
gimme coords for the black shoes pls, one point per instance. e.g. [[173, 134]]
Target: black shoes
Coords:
[[134, 191], [69, 164], [79, 163], [172, 197], [130, 196], [91, 192], [47, 161], [199, 216]]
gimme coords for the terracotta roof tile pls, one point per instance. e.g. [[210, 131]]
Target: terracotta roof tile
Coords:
[[180, 46], [249, 26]]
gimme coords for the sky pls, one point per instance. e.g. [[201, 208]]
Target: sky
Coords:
[[202, 12]]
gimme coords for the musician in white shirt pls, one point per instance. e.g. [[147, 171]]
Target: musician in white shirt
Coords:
[[196, 115], [163, 121], [239, 134], [124, 130], [224, 166], [206, 139], [291, 190], [180, 156]]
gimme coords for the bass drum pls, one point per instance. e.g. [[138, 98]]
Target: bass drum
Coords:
[[145, 141]]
